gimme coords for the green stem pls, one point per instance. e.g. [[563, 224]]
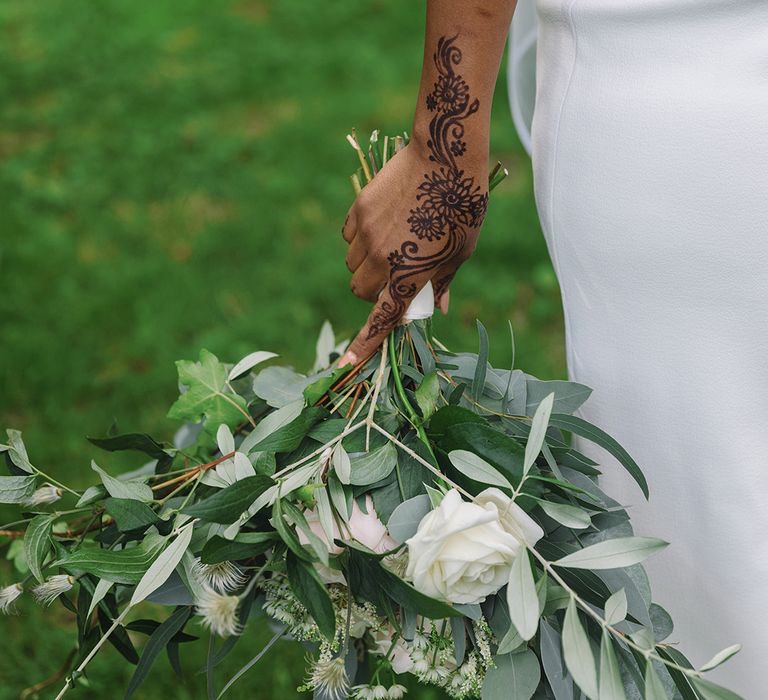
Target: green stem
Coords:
[[412, 416]]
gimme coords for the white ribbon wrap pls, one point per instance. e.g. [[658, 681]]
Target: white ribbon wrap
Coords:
[[422, 306]]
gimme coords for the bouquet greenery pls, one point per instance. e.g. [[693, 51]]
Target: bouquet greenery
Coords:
[[421, 513]]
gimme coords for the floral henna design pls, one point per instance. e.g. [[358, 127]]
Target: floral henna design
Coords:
[[449, 203]]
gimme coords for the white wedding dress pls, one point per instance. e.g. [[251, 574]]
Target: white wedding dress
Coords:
[[650, 156]]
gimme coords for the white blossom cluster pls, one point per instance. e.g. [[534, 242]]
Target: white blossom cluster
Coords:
[[430, 655]]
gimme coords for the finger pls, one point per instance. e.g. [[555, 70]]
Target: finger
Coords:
[[349, 230], [441, 281], [369, 279], [444, 302], [386, 314], [356, 253]]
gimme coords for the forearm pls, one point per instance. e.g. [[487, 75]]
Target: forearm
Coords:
[[476, 30]]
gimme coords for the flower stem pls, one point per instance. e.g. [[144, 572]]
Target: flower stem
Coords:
[[412, 416]]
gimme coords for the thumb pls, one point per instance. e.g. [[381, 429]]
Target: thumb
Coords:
[[386, 314]]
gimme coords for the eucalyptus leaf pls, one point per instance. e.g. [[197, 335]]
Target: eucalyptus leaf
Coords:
[[612, 554], [552, 661], [654, 689], [577, 653], [611, 685], [616, 607], [405, 519], [477, 469], [373, 466], [538, 432], [513, 676], [522, 599], [162, 567], [711, 691], [341, 464], [249, 362], [566, 514], [585, 429], [719, 658]]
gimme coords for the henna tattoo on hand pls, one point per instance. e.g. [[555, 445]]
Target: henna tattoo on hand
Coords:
[[449, 202]]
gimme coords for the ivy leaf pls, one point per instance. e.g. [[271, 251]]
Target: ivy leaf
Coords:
[[207, 396], [37, 543]]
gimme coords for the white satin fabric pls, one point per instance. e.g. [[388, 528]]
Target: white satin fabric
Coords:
[[650, 156]]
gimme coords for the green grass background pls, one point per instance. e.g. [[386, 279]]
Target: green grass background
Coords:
[[173, 175]]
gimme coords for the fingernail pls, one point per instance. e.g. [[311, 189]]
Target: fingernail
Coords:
[[348, 358], [443, 303]]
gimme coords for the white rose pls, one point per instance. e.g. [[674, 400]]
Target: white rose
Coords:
[[462, 552]]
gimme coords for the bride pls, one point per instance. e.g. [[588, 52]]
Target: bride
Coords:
[[649, 149]]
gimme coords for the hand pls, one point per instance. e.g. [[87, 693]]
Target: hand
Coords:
[[418, 220]]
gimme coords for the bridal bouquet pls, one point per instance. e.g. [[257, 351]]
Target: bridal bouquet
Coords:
[[422, 514]]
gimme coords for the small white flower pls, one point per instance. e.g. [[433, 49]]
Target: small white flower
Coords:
[[7, 597], [52, 588], [329, 678], [47, 493], [380, 692], [396, 692], [219, 612], [223, 577]]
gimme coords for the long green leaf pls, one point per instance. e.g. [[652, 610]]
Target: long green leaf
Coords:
[[165, 564], [522, 599], [654, 689], [538, 432], [611, 685], [613, 554], [578, 653], [711, 691], [477, 469], [227, 505], [155, 645], [312, 593], [373, 466], [16, 489], [122, 566], [585, 429], [37, 543]]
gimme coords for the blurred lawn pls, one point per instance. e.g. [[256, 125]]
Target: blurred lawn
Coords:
[[173, 175]]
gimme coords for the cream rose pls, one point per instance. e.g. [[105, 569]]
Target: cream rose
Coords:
[[462, 552]]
